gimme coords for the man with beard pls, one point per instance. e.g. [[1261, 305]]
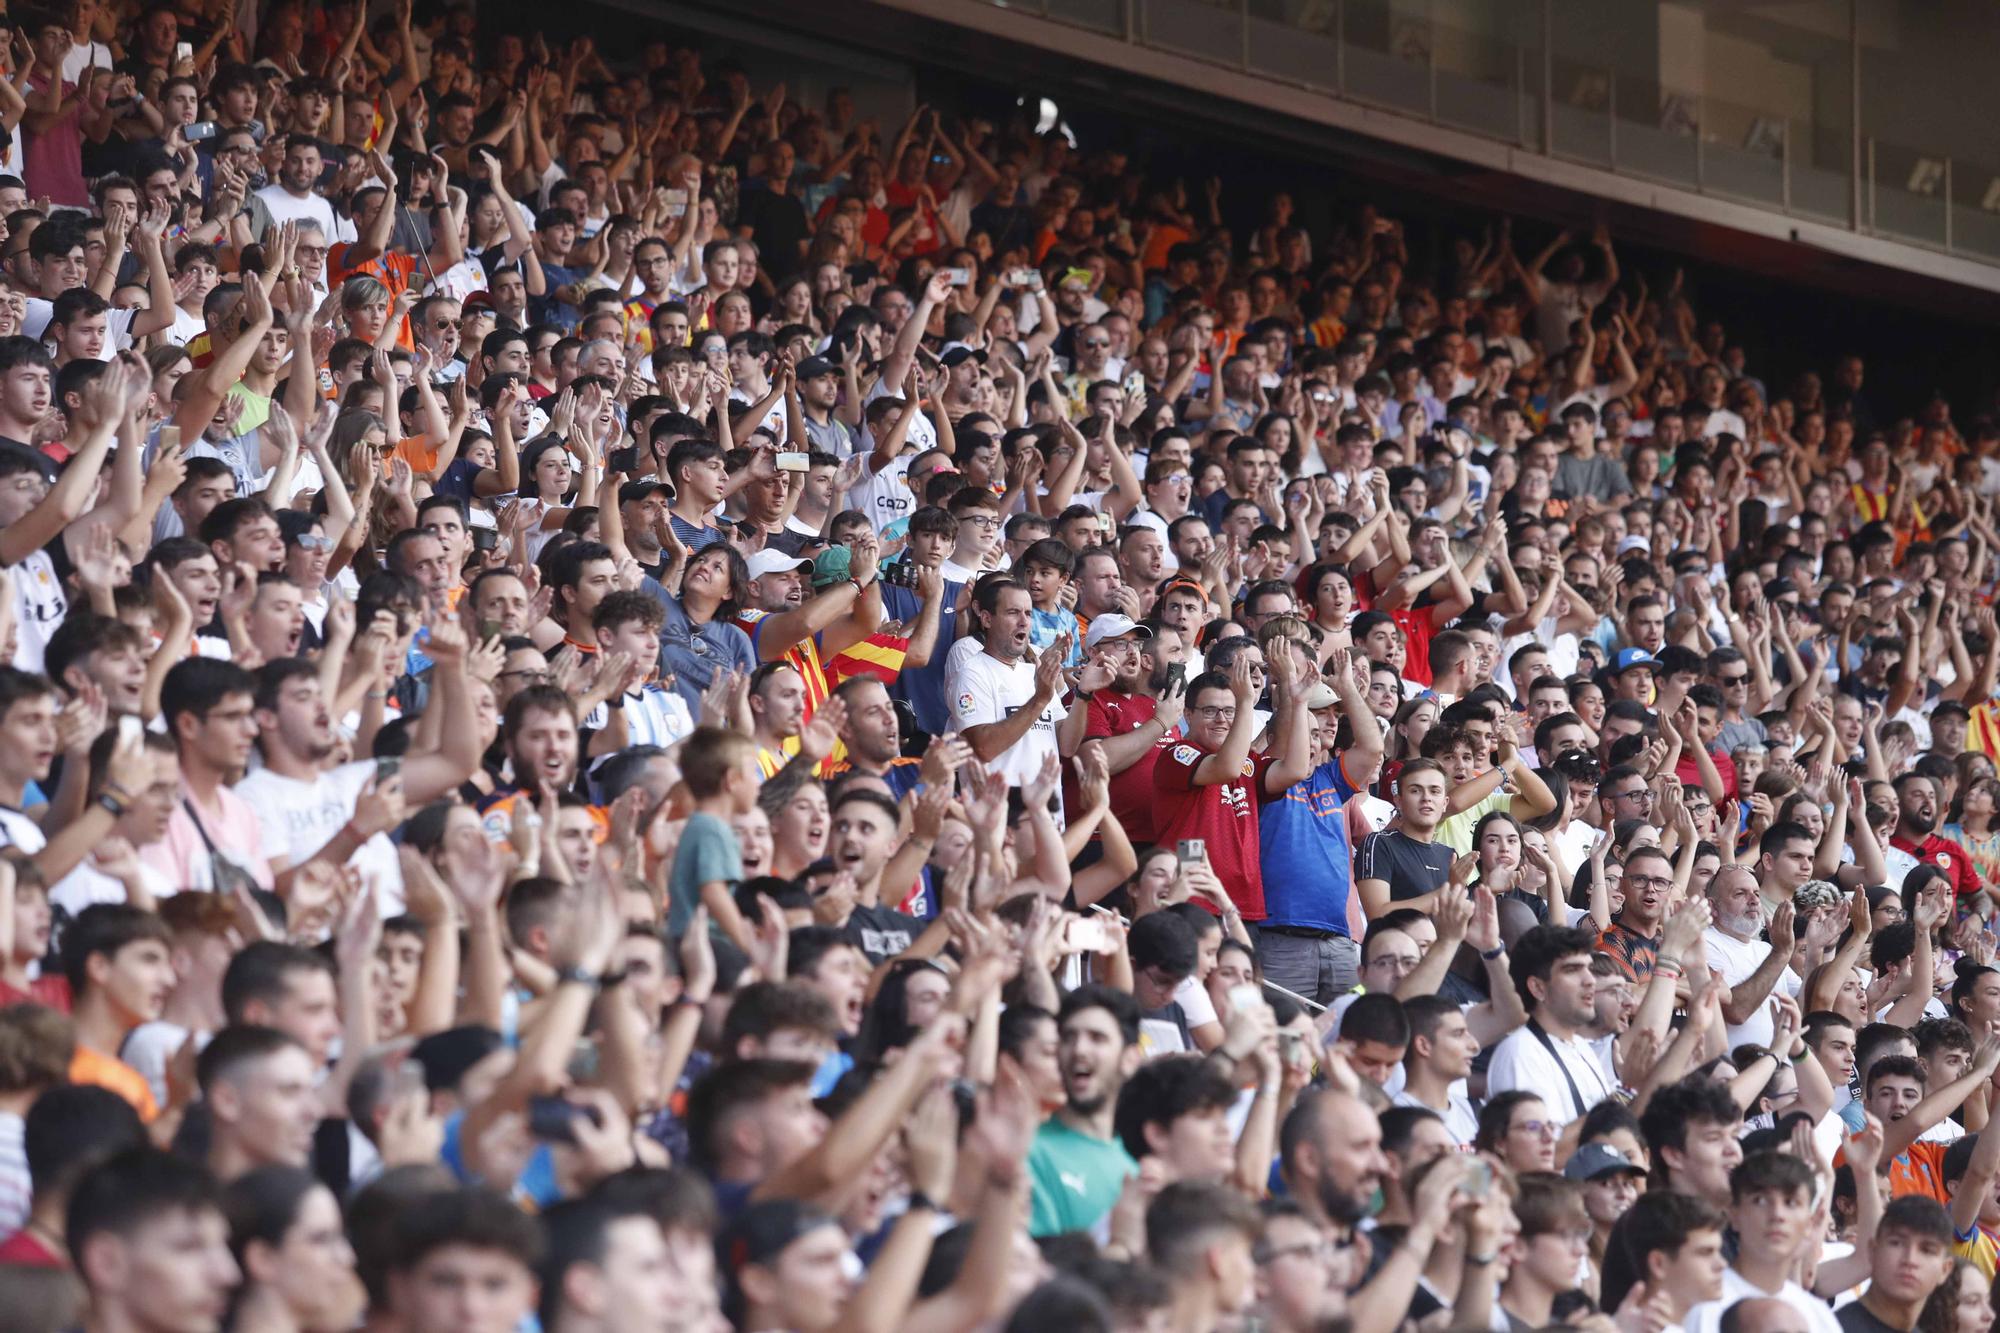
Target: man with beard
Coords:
[[785, 624], [538, 731], [1077, 1166], [1331, 1158], [1006, 708], [1748, 966], [873, 736], [1916, 841], [1632, 940], [1549, 1057], [777, 711], [499, 604], [307, 811], [867, 830], [1135, 714]]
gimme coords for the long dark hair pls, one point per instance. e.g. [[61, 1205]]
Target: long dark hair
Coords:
[[739, 578]]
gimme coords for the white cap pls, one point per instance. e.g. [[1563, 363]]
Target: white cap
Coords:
[[1112, 627], [768, 561]]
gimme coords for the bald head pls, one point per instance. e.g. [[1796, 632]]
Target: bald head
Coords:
[[1764, 1314]]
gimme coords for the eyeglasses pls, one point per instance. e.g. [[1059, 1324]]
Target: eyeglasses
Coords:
[[1648, 882], [1640, 794], [983, 521], [530, 674], [1095, 344], [1728, 681], [1541, 1129], [312, 541], [1328, 1247], [1215, 714]]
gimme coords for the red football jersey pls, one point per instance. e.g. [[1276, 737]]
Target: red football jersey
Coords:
[[1223, 815]]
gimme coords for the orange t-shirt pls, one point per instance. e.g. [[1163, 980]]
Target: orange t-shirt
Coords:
[[1920, 1171], [418, 452], [88, 1066]]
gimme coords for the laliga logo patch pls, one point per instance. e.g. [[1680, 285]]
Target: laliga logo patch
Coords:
[[1186, 754]]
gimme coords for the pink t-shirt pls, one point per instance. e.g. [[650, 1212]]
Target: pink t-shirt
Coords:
[[54, 157], [183, 856]]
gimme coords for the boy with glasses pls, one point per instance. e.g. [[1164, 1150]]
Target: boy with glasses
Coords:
[[1304, 1270], [1554, 1241]]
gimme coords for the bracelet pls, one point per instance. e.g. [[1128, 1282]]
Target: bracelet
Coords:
[[579, 976], [1482, 1260], [106, 801], [919, 1199], [1488, 955]]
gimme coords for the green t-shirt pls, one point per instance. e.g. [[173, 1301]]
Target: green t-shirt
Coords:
[[707, 853], [1455, 831], [1076, 1178]]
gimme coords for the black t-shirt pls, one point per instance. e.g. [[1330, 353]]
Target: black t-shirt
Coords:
[[1856, 1318], [881, 932], [1410, 868]]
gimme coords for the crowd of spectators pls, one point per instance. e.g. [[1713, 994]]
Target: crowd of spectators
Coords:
[[634, 706]]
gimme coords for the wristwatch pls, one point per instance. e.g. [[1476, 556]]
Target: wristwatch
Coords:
[[580, 976]]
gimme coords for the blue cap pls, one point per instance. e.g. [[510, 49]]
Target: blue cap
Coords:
[[1628, 658]]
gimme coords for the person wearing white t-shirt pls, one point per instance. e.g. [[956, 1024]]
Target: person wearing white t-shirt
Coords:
[[1750, 967], [884, 492], [1550, 1057], [751, 356], [293, 198], [342, 815], [1437, 1064], [1008, 711], [1771, 1211]]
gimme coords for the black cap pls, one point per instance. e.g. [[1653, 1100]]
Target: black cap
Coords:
[[815, 366], [961, 354], [634, 491]]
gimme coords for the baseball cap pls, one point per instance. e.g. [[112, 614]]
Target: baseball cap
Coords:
[[1594, 1161], [1113, 627], [815, 366], [634, 491], [1634, 542], [959, 353], [768, 561], [1631, 658], [834, 565], [1320, 695]]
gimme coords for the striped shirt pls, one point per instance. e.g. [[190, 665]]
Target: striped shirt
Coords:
[[802, 657]]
